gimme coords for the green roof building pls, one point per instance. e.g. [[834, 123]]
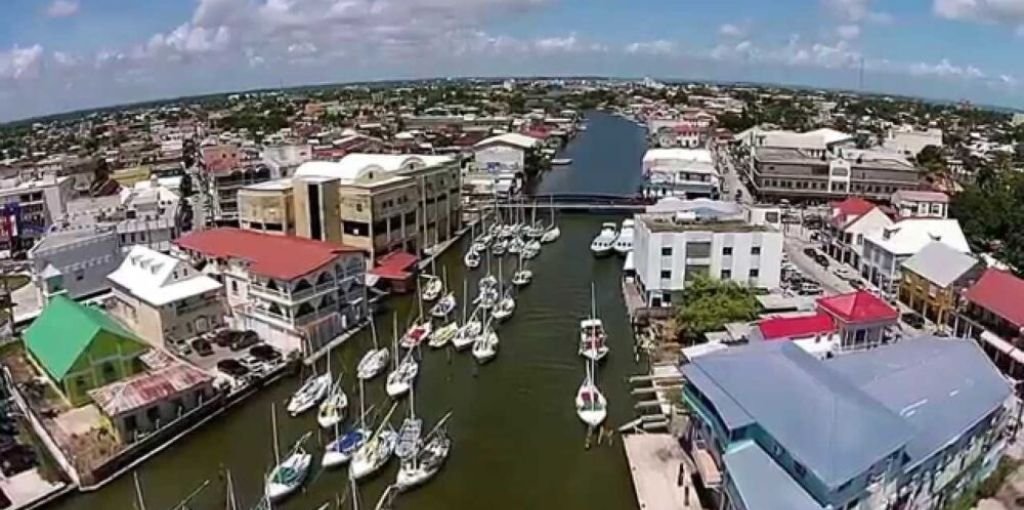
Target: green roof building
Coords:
[[80, 348]]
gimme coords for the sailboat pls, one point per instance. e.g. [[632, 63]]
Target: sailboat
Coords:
[[472, 258], [444, 334], [507, 303], [485, 346], [387, 499], [409, 434], [424, 465], [470, 329], [332, 409], [591, 406], [447, 303], [311, 393], [432, 290], [522, 276], [593, 339], [288, 474], [376, 451], [553, 232], [340, 450], [419, 330], [375, 360]]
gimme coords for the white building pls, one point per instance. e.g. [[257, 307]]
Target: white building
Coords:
[[283, 160], [909, 141], [28, 206], [677, 241], [504, 154], [688, 173], [885, 250], [920, 204]]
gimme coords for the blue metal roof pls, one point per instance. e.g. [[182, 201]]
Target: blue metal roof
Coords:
[[940, 386], [761, 483]]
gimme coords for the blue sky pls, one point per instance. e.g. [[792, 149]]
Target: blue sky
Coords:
[[57, 55]]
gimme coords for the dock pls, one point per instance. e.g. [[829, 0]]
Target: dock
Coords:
[[661, 472]]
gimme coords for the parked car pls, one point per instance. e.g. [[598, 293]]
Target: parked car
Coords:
[[264, 352], [202, 347], [232, 368], [244, 340], [224, 337], [810, 252], [913, 319]]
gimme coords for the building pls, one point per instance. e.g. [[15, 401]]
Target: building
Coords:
[[815, 144], [226, 170], [933, 279], [163, 299], [28, 206], [851, 220], [815, 333], [862, 319], [678, 241], [298, 294], [885, 250], [908, 141], [75, 261], [508, 153], [908, 425], [80, 348], [920, 204], [992, 312], [379, 203], [687, 173], [283, 160]]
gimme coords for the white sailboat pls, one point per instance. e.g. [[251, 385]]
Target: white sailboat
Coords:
[[553, 232], [340, 450], [311, 393], [432, 289], [470, 329], [523, 276], [447, 303], [624, 243], [421, 468], [485, 346], [332, 409], [410, 433], [472, 258], [506, 305], [376, 451], [591, 406], [401, 378], [375, 360], [602, 244], [593, 339], [444, 334], [289, 474]]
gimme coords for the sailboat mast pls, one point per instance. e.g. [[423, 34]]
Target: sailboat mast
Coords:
[[394, 340], [465, 298], [273, 426], [373, 333], [419, 297], [140, 502], [362, 406], [232, 503]]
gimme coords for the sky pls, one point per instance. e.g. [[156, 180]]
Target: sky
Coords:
[[61, 55]]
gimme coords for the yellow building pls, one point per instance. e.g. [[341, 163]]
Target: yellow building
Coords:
[[376, 202], [933, 278], [128, 177]]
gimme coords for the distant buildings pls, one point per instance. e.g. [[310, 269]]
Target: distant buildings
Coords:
[[909, 141], [28, 206], [851, 220]]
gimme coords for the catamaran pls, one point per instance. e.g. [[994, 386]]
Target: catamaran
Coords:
[[624, 243], [410, 433], [485, 346], [432, 455], [602, 244], [376, 451], [375, 360], [332, 409], [340, 450], [287, 475], [591, 406], [593, 339], [311, 393]]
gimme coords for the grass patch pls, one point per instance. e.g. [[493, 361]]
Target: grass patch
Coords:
[[988, 488]]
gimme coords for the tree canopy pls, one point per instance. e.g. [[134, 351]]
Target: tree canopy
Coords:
[[709, 304], [991, 212]]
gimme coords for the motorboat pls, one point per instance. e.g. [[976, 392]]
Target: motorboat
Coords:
[[375, 360], [311, 393], [443, 335], [561, 161], [288, 475], [418, 333], [332, 409], [421, 468], [591, 406], [444, 306], [485, 346], [605, 240], [376, 451], [624, 243], [593, 339], [401, 379], [432, 290], [472, 259]]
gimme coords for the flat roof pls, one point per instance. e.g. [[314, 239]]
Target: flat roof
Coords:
[[659, 223]]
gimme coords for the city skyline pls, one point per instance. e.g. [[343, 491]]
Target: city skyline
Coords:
[[64, 55]]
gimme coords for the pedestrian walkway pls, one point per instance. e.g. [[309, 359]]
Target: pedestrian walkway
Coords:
[[661, 473]]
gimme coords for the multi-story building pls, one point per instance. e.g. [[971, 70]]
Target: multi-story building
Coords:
[[920, 204], [908, 141], [678, 241], [852, 219], [163, 299], [507, 154], [379, 203], [905, 426], [298, 294], [886, 249], [843, 323], [28, 206], [283, 160], [688, 173], [933, 279], [226, 170], [75, 261], [992, 312]]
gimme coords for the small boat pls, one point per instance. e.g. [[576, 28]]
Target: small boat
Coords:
[[375, 360], [522, 276], [485, 346], [311, 393], [418, 333], [402, 378], [443, 335], [376, 451], [472, 258], [593, 339], [591, 406], [340, 450], [332, 409], [602, 244], [561, 161], [624, 243], [468, 332], [500, 247], [551, 235], [432, 290], [287, 475], [410, 433], [444, 306], [420, 469]]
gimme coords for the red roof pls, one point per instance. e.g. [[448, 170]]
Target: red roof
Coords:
[[394, 265], [850, 208], [859, 306], [796, 327], [148, 388], [1000, 293], [273, 256]]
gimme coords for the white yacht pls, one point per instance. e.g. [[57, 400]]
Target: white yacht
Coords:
[[624, 243], [605, 240]]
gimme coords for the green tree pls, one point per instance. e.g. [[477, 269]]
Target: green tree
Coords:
[[708, 305]]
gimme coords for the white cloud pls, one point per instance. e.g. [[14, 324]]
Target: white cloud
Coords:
[[856, 11], [62, 8], [848, 32], [657, 47], [731, 30], [946, 69], [21, 63], [990, 11]]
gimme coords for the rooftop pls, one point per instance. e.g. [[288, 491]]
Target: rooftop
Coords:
[[695, 155], [763, 484], [353, 167], [148, 388], [272, 256], [940, 264], [662, 223], [908, 236], [858, 306], [919, 196], [514, 139], [999, 292], [159, 279], [777, 328]]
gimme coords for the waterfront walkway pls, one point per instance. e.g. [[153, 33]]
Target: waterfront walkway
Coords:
[[661, 473]]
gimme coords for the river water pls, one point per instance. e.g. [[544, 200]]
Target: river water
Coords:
[[517, 441]]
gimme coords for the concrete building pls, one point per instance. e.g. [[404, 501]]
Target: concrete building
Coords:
[[298, 294], [283, 160], [862, 319], [687, 173], [885, 250], [508, 153], [28, 206], [75, 261], [678, 241], [163, 299], [909, 141], [920, 204], [991, 312], [933, 279], [796, 174], [908, 425], [225, 170], [851, 220]]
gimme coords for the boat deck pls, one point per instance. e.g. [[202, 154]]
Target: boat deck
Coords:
[[655, 461]]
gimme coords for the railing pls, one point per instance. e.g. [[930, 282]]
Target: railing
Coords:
[[293, 296]]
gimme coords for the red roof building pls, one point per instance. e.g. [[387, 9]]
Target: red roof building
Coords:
[[788, 328], [271, 256], [999, 292], [858, 307], [849, 209]]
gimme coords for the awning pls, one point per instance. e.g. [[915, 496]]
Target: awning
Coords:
[[1003, 346], [394, 266], [707, 468]]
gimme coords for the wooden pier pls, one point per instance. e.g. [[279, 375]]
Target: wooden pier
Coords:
[[661, 472]]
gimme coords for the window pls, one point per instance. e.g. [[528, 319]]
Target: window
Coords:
[[727, 250], [799, 469], [359, 207], [754, 273], [755, 250], [698, 250], [726, 274], [234, 287], [666, 251], [666, 275]]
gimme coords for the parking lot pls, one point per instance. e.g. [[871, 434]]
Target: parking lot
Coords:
[[236, 355]]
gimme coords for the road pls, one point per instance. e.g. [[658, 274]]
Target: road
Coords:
[[731, 181]]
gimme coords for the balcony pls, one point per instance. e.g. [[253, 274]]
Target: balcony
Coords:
[[292, 297]]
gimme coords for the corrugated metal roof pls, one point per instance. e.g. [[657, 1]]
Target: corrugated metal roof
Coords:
[[999, 292], [859, 306], [940, 264], [761, 483], [143, 390]]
